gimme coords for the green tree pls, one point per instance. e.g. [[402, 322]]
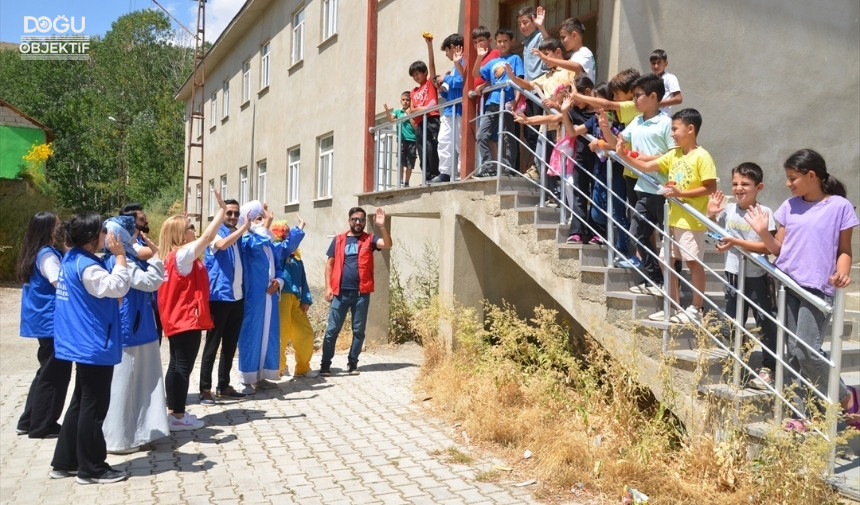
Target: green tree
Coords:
[[134, 71]]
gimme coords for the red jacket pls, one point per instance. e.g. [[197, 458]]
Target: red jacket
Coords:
[[183, 301], [365, 263]]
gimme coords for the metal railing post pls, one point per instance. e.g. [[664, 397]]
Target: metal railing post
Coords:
[[739, 322], [376, 177], [837, 328], [780, 355], [610, 215], [424, 150], [668, 271], [398, 168], [500, 135]]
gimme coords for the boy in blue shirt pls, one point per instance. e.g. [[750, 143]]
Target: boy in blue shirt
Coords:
[[498, 100], [450, 87]]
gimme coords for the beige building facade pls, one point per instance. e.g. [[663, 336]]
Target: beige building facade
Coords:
[[285, 91]]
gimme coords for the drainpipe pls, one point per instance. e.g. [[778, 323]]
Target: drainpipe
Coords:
[[370, 94], [468, 126]]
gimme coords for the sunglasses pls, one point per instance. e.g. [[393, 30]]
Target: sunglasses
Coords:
[[232, 213], [358, 219], [190, 227]]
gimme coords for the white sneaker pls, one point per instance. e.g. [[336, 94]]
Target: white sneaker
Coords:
[[186, 423], [658, 316], [646, 289], [310, 374], [691, 314]]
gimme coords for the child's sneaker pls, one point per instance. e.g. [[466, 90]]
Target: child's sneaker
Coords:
[[647, 289], [595, 240], [229, 393], [574, 239], [762, 380], [691, 314], [186, 423]]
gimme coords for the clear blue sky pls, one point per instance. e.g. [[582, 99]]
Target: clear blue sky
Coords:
[[99, 14]]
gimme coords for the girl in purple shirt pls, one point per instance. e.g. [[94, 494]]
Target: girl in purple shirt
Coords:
[[813, 246]]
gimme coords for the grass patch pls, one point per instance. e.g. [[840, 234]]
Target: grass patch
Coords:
[[519, 384], [487, 476]]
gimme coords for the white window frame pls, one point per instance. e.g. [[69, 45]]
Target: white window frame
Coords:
[[198, 200], [262, 172], [325, 166], [244, 190], [225, 99], [298, 53], [224, 186], [329, 19], [212, 203], [265, 64], [246, 81], [294, 167], [213, 108]]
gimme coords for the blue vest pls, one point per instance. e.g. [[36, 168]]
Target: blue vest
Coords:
[[221, 268], [86, 328], [37, 301], [136, 314], [295, 280]]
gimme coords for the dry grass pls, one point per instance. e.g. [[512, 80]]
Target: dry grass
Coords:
[[517, 385]]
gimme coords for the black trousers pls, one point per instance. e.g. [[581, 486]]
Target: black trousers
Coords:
[[649, 209], [183, 352], [227, 317], [430, 165], [81, 445], [758, 290], [47, 392]]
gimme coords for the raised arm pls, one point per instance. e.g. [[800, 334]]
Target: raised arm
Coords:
[[540, 16], [379, 226], [517, 79], [211, 231], [551, 61], [758, 219], [431, 60], [476, 70]]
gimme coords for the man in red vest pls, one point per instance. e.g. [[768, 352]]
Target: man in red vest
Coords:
[[349, 282]]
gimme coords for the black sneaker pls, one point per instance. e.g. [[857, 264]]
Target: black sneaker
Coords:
[[229, 393], [352, 369], [57, 473], [325, 371], [108, 477]]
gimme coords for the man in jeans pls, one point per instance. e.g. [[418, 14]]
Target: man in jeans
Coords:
[[349, 282]]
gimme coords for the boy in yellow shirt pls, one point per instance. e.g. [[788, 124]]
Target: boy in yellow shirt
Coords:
[[692, 178]]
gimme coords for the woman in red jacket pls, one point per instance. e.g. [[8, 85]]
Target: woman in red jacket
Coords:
[[183, 302]]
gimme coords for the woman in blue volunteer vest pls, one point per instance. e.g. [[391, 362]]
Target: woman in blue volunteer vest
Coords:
[[38, 268], [183, 302], [136, 414], [87, 331]]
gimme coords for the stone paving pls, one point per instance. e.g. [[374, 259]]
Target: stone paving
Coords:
[[339, 440]]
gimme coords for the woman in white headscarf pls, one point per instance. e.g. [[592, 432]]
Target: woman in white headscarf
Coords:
[[259, 338], [137, 405]]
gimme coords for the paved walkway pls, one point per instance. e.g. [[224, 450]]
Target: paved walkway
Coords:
[[338, 440]]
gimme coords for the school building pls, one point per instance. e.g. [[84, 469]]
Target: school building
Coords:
[[287, 81]]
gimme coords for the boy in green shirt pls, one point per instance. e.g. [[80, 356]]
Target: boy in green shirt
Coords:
[[408, 150]]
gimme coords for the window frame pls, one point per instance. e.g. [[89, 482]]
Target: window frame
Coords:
[[223, 183], [262, 175], [225, 99], [212, 203], [213, 108], [325, 167], [298, 37], [244, 189], [265, 64], [329, 19], [246, 81], [294, 169]]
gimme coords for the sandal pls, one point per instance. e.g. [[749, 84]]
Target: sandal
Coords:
[[796, 426]]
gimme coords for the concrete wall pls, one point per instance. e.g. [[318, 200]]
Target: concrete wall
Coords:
[[768, 76]]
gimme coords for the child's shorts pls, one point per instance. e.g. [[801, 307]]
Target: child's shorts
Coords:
[[408, 153], [692, 242]]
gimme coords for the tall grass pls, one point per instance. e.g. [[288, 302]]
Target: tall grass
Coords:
[[520, 384]]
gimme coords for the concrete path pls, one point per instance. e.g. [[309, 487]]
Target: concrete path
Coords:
[[338, 440]]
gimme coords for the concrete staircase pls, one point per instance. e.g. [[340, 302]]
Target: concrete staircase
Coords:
[[504, 215]]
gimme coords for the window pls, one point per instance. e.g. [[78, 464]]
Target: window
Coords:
[[325, 166], [261, 180], [294, 157], [329, 18], [213, 109], [298, 37], [265, 60], [246, 81], [212, 203], [198, 200], [244, 190], [224, 186], [225, 99]]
